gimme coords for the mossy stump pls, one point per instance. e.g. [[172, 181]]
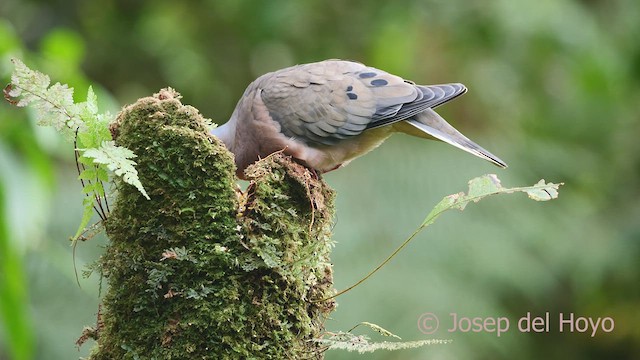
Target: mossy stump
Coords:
[[202, 270]]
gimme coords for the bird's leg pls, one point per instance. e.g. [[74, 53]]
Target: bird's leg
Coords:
[[315, 173]]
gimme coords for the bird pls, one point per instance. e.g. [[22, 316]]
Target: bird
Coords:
[[325, 114]]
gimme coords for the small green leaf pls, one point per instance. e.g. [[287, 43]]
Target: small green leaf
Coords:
[[92, 102], [102, 174], [98, 189], [88, 174], [89, 188], [87, 213]]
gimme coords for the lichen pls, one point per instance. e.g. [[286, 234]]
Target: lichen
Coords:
[[203, 271]]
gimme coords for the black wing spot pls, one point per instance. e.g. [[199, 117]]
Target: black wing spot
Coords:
[[367, 75], [379, 82], [352, 96]]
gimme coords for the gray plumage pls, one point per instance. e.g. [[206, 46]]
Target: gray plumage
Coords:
[[325, 114]]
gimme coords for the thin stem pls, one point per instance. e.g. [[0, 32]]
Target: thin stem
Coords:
[[80, 168], [106, 199], [92, 231], [103, 214], [383, 263], [78, 165]]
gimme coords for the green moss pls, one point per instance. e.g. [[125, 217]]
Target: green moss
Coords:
[[202, 271]]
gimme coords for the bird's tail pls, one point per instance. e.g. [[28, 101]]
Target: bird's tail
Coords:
[[430, 124]]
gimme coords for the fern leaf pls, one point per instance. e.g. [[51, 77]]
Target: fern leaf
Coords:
[[53, 104], [118, 160], [87, 213]]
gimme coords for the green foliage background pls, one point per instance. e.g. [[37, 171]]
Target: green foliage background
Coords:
[[554, 91]]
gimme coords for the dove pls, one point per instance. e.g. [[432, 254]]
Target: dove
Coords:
[[327, 113]]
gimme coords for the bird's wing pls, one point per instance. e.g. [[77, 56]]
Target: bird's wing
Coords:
[[325, 102]]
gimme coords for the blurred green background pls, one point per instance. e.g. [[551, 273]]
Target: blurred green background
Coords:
[[554, 91]]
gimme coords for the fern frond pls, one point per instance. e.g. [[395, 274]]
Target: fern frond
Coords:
[[53, 104], [118, 160], [81, 123]]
